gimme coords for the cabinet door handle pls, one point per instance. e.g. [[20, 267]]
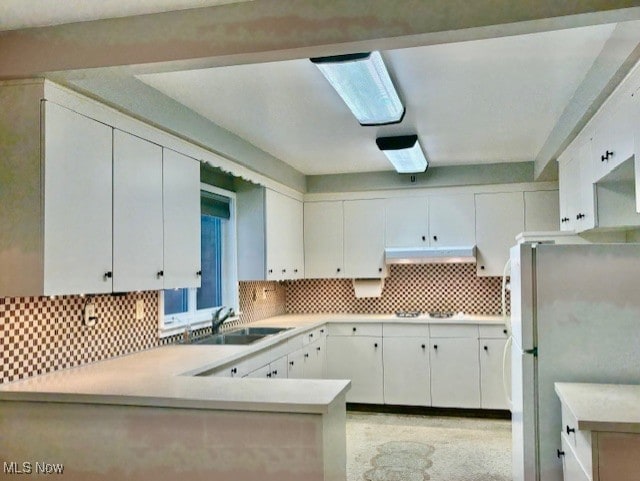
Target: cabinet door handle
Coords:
[[234, 370], [603, 158], [435, 238], [311, 335], [275, 373], [160, 274], [608, 154], [481, 268], [424, 238], [321, 331], [284, 270], [560, 453], [379, 269], [423, 346], [570, 430], [504, 331], [486, 348], [268, 374], [375, 345], [108, 275], [270, 271], [306, 354], [338, 269], [435, 346], [199, 273], [318, 349], [354, 329], [291, 363]]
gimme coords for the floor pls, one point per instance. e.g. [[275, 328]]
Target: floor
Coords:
[[395, 447]]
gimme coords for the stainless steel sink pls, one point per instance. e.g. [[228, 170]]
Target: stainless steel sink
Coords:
[[263, 331], [230, 338], [246, 335]]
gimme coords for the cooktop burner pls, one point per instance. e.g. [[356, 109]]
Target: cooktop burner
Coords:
[[441, 314], [407, 313]]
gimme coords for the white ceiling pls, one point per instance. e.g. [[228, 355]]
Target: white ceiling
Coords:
[[484, 101], [15, 14]]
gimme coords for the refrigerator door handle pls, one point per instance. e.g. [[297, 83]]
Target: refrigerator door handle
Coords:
[[505, 388], [533, 351]]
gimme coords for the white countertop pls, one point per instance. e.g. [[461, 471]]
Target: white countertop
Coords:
[[602, 407], [164, 376]]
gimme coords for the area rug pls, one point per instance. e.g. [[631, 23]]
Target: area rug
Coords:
[[390, 447]]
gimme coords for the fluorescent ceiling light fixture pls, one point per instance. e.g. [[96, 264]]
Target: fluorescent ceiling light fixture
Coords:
[[404, 152], [362, 80]]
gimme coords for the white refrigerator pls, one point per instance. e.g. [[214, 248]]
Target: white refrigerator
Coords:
[[575, 317]]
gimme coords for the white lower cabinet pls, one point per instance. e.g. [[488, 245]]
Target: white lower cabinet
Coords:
[[359, 359], [406, 371], [491, 376], [455, 372], [314, 359], [295, 364]]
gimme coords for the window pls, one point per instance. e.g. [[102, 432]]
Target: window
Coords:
[[219, 287]]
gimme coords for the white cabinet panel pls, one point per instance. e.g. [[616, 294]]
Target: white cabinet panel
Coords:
[[77, 203], [491, 383], [499, 219], [586, 198], [277, 244], [295, 364], [181, 211], [294, 241], [406, 371], [541, 211], [455, 373], [323, 240], [568, 192], [137, 214], [278, 368], [364, 238], [358, 359], [452, 220], [406, 223], [314, 360]]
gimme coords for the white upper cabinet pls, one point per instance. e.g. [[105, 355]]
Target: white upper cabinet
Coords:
[[452, 220], [181, 212], [270, 235], [407, 222], [541, 211], [323, 239], [77, 203], [364, 227], [137, 214], [499, 219]]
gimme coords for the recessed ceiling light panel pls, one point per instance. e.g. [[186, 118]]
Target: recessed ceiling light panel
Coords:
[[404, 152], [364, 84]]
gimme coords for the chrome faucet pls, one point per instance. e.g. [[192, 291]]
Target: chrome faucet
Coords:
[[218, 317]]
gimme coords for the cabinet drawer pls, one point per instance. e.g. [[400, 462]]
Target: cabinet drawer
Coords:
[[355, 329], [571, 467], [313, 335], [400, 329], [580, 441], [492, 332], [453, 330]]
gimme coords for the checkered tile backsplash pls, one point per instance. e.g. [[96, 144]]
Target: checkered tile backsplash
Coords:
[[424, 287], [39, 334]]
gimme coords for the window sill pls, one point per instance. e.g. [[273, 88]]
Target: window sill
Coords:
[[179, 329]]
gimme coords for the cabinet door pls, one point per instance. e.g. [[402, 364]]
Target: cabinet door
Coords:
[[491, 382], [314, 360], [323, 240], [358, 359], [541, 211], [586, 197], [452, 220], [278, 368], [406, 371], [181, 212], [499, 219], [295, 243], [262, 372], [137, 214], [277, 224], [455, 373], [77, 203], [406, 222], [295, 364], [364, 238], [568, 193]]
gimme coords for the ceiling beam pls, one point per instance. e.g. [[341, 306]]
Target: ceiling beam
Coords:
[[618, 56], [265, 30]]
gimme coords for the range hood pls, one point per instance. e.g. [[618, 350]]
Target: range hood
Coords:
[[429, 255]]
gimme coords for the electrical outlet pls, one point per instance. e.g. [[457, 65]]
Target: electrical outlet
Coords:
[[139, 310], [90, 318]]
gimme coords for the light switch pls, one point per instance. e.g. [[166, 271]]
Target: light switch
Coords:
[[139, 310]]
